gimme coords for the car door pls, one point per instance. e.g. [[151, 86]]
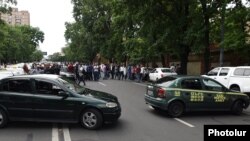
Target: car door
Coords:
[[216, 97], [223, 76], [17, 97], [193, 94], [48, 105]]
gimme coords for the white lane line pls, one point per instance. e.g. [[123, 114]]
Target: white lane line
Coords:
[[140, 84], [184, 122], [66, 133], [102, 83], [55, 136]]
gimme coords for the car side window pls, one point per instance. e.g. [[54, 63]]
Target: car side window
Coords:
[[224, 72], [247, 72], [211, 85], [47, 88], [19, 86], [213, 72], [191, 84], [239, 71]]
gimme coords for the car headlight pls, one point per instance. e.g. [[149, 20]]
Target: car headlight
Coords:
[[111, 105]]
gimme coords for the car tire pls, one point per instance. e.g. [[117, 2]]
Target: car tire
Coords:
[[176, 109], [237, 107], [3, 118], [91, 119]]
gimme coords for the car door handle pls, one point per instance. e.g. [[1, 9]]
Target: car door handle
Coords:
[[225, 78]]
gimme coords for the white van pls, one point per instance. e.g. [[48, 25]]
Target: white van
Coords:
[[234, 78]]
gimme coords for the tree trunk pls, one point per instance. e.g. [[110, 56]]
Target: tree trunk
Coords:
[[184, 53], [206, 36], [163, 61], [184, 47]]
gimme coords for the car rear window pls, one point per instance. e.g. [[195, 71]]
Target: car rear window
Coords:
[[165, 70], [165, 79]]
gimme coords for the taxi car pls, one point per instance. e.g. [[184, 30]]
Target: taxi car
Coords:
[[180, 94], [49, 98]]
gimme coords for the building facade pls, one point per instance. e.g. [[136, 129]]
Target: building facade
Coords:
[[17, 17]]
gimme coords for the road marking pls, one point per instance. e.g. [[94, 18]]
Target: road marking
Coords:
[[66, 133], [55, 133], [184, 122], [140, 84], [102, 83]]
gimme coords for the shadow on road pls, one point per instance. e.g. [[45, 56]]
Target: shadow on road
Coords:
[[162, 113], [30, 125]]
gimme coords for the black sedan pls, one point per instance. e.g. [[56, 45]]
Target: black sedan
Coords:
[[50, 98], [179, 94]]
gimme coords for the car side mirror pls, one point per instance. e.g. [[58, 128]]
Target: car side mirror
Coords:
[[63, 94]]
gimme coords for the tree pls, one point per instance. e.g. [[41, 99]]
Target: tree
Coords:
[[5, 6], [37, 55], [56, 57], [19, 42]]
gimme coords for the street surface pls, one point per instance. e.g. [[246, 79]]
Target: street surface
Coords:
[[138, 121]]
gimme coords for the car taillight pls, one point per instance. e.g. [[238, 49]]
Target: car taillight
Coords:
[[161, 93]]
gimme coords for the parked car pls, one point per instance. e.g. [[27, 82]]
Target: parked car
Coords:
[[180, 94], [64, 72], [49, 98], [158, 73], [146, 72], [5, 73], [234, 78]]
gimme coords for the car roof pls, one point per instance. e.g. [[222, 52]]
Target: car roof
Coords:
[[225, 67], [186, 76], [49, 76], [243, 67]]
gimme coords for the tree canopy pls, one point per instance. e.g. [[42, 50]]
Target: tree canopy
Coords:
[[149, 31]]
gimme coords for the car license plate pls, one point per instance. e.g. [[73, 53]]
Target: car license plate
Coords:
[[150, 93]]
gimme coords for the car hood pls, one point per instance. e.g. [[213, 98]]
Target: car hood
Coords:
[[99, 95]]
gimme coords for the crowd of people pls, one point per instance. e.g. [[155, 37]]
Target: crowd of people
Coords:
[[95, 72], [92, 72]]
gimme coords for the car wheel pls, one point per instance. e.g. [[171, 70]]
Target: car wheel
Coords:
[[176, 109], [235, 88], [3, 118], [237, 107], [91, 119]]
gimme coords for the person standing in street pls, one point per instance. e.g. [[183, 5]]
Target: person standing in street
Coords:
[[82, 73]]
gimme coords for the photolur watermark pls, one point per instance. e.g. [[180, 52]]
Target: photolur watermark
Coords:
[[212, 132]]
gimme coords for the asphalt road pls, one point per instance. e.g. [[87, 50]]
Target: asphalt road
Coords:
[[138, 121]]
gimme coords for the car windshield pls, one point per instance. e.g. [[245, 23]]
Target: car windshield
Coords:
[[71, 85]]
